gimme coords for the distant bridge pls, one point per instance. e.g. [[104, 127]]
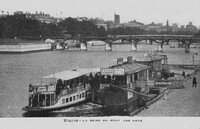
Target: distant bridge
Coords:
[[133, 40]]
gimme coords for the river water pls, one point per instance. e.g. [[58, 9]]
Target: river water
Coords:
[[18, 70]]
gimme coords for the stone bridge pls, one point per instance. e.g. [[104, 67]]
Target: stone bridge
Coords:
[[133, 40]]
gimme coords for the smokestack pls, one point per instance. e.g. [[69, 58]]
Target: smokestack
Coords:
[[119, 60], [129, 59]]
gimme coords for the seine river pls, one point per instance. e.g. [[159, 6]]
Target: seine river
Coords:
[[18, 70]]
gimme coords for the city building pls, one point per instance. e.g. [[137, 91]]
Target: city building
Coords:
[[3, 15], [191, 28], [110, 24], [81, 18], [18, 13], [175, 27], [153, 26], [40, 16], [99, 23], [133, 24]]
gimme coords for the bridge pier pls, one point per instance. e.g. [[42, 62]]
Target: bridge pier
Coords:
[[108, 46], [160, 47], [167, 42], [83, 47], [150, 42], [134, 45], [187, 48], [122, 40], [66, 46]]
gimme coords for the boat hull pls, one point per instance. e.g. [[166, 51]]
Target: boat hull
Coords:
[[49, 109]]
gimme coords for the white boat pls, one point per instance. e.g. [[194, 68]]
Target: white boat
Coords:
[[60, 90]]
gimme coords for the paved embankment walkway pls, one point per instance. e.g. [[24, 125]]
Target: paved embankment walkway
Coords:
[[177, 103]]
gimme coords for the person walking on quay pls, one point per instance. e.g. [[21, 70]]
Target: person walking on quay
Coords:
[[183, 74], [194, 82]]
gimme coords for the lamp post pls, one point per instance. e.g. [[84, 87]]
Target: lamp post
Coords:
[[193, 57]]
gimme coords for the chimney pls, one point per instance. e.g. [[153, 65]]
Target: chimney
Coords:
[[129, 59], [119, 60]]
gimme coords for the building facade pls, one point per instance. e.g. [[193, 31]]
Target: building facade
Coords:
[[40, 16], [133, 24]]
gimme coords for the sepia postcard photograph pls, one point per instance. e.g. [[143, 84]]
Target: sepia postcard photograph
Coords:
[[100, 64]]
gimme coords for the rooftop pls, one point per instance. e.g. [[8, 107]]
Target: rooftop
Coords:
[[131, 67], [149, 58], [70, 74]]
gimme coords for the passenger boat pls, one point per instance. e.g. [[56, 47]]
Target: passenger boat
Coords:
[[60, 90]]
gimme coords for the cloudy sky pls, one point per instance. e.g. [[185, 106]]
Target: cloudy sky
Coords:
[[145, 11]]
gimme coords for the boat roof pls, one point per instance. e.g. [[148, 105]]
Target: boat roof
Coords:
[[70, 74], [151, 58], [132, 67]]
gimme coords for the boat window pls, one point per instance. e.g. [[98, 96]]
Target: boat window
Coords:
[[83, 95], [120, 80], [74, 98], [63, 101], [66, 84], [70, 99], [132, 77], [85, 78], [47, 97], [30, 96], [41, 97], [42, 100], [128, 79], [52, 97], [135, 76], [77, 81], [81, 79], [80, 96], [71, 83], [67, 100], [105, 79], [77, 96]]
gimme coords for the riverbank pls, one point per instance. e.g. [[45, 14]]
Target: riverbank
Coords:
[[178, 102], [21, 46]]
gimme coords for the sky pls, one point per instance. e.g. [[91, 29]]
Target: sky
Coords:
[[145, 11]]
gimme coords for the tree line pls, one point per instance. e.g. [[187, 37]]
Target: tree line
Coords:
[[18, 26], [21, 27]]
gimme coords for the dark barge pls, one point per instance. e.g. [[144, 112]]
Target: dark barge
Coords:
[[121, 88]]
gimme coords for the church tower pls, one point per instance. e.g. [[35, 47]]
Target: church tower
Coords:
[[167, 24]]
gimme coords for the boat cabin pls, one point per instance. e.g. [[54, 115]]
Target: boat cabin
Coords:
[[116, 82], [155, 62], [55, 86], [124, 74]]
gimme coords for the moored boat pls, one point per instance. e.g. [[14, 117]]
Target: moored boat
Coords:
[[60, 90], [121, 87]]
